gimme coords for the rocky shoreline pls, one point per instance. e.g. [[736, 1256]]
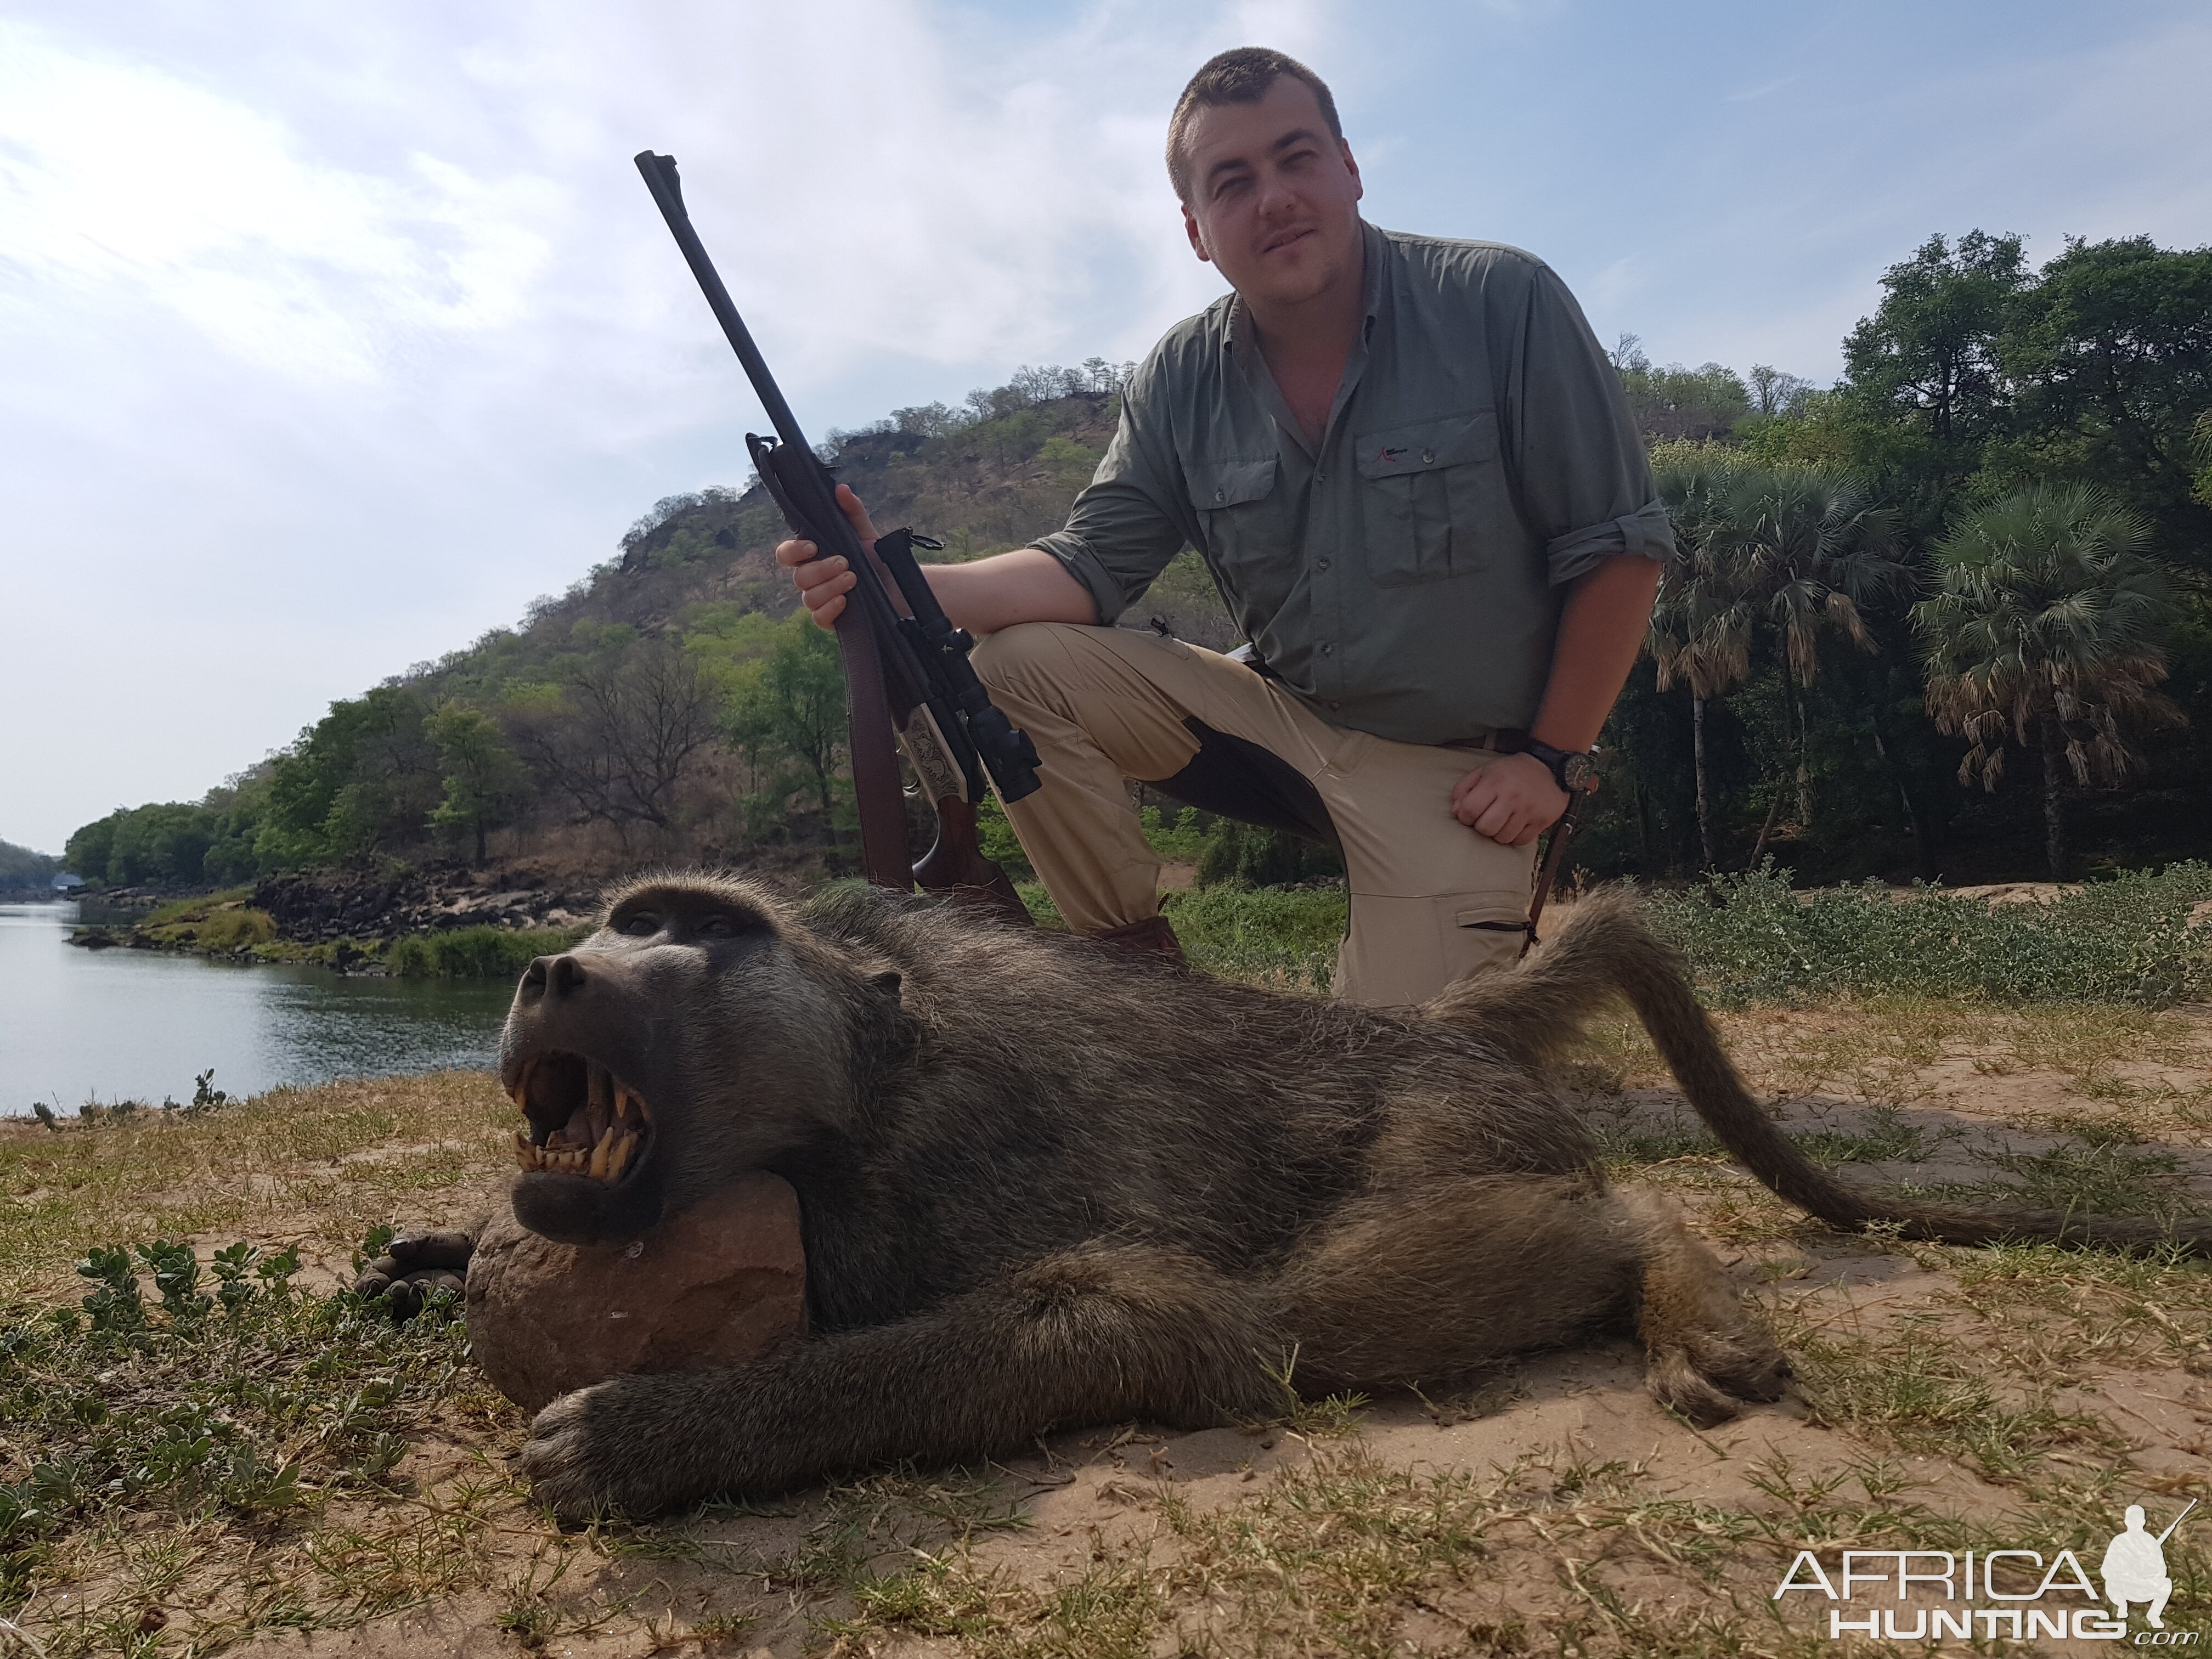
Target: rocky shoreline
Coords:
[[346, 918], [312, 907]]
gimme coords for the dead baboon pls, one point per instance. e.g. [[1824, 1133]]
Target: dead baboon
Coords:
[[1046, 1184]]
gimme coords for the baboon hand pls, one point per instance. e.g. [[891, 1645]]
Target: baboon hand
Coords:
[[594, 1452]]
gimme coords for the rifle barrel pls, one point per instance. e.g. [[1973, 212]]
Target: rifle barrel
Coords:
[[2177, 1520], [660, 178]]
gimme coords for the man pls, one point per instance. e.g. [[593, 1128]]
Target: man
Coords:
[[1413, 473]]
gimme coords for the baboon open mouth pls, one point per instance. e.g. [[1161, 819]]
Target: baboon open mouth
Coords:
[[583, 1120]]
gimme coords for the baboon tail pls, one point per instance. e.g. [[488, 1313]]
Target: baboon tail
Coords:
[[1604, 950]]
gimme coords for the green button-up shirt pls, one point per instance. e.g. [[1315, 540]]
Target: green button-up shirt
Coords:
[[1405, 578]]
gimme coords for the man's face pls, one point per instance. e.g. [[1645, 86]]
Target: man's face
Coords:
[[1273, 198]]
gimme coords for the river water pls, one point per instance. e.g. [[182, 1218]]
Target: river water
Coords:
[[78, 1025]]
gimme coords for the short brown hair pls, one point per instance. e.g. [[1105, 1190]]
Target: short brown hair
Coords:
[[1240, 75]]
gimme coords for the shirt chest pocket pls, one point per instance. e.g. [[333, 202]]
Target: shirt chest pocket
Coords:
[[1433, 498], [1233, 502]]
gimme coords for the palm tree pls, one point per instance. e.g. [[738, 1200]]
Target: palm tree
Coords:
[[1812, 549], [2043, 630], [1796, 551], [1701, 622]]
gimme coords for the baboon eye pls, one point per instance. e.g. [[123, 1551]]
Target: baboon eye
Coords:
[[717, 926], [642, 924]]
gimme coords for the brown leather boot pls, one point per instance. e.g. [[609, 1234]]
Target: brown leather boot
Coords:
[[1152, 937]]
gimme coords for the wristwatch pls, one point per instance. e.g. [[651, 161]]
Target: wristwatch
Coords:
[[1572, 769]]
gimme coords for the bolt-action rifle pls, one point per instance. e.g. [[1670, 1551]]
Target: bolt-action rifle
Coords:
[[904, 675]]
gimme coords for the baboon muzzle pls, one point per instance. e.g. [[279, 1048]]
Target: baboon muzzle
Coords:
[[590, 1135]]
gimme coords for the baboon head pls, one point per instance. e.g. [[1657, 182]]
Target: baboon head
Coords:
[[702, 1032]]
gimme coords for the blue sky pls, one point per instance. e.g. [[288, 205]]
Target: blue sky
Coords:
[[329, 336]]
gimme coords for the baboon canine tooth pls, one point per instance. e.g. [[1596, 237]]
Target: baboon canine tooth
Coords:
[[622, 1104], [620, 1156], [597, 1168], [521, 1096]]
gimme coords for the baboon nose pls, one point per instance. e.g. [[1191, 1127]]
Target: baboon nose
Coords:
[[561, 975]]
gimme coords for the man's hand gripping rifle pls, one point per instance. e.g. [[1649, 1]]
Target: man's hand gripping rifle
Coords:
[[904, 674]]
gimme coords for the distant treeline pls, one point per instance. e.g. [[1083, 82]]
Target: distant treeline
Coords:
[[1948, 615], [20, 867]]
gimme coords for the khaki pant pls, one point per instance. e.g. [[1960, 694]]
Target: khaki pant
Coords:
[[1103, 704]]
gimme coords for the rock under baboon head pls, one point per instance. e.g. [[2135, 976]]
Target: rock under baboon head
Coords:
[[697, 1035]]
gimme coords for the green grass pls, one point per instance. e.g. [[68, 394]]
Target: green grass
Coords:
[[2129, 940], [1283, 937], [477, 952]]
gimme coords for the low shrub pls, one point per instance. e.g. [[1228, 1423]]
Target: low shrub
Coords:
[[2131, 939], [477, 952]]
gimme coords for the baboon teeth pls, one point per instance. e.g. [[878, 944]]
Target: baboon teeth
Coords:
[[600, 1139]]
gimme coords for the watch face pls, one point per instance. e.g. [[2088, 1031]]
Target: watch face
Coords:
[[1578, 774]]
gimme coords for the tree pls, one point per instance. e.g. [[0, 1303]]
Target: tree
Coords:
[[1675, 402], [2111, 354], [1700, 629], [365, 776], [1924, 374], [2044, 628], [1784, 555], [1810, 550], [619, 739], [791, 705], [484, 781]]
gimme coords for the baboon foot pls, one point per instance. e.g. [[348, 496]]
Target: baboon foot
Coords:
[[591, 1453], [1711, 1382], [1708, 1353]]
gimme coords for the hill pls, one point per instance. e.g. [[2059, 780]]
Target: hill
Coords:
[[671, 703]]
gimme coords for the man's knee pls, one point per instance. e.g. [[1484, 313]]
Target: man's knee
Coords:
[[1020, 658]]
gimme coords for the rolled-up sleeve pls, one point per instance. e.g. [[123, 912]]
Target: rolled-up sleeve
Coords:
[[1124, 527], [1584, 474]]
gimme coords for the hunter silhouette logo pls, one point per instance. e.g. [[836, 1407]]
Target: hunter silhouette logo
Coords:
[[2134, 1568], [1949, 1586]]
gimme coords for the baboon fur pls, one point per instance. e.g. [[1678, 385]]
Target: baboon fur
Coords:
[[1045, 1184]]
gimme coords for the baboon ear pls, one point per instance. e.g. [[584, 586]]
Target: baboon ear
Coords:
[[887, 982]]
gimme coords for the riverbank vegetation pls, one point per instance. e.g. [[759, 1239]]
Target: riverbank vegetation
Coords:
[[224, 924], [1947, 617]]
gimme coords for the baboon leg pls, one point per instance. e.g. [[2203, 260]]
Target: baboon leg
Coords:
[[1706, 1351], [1413, 1286], [1088, 1336]]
